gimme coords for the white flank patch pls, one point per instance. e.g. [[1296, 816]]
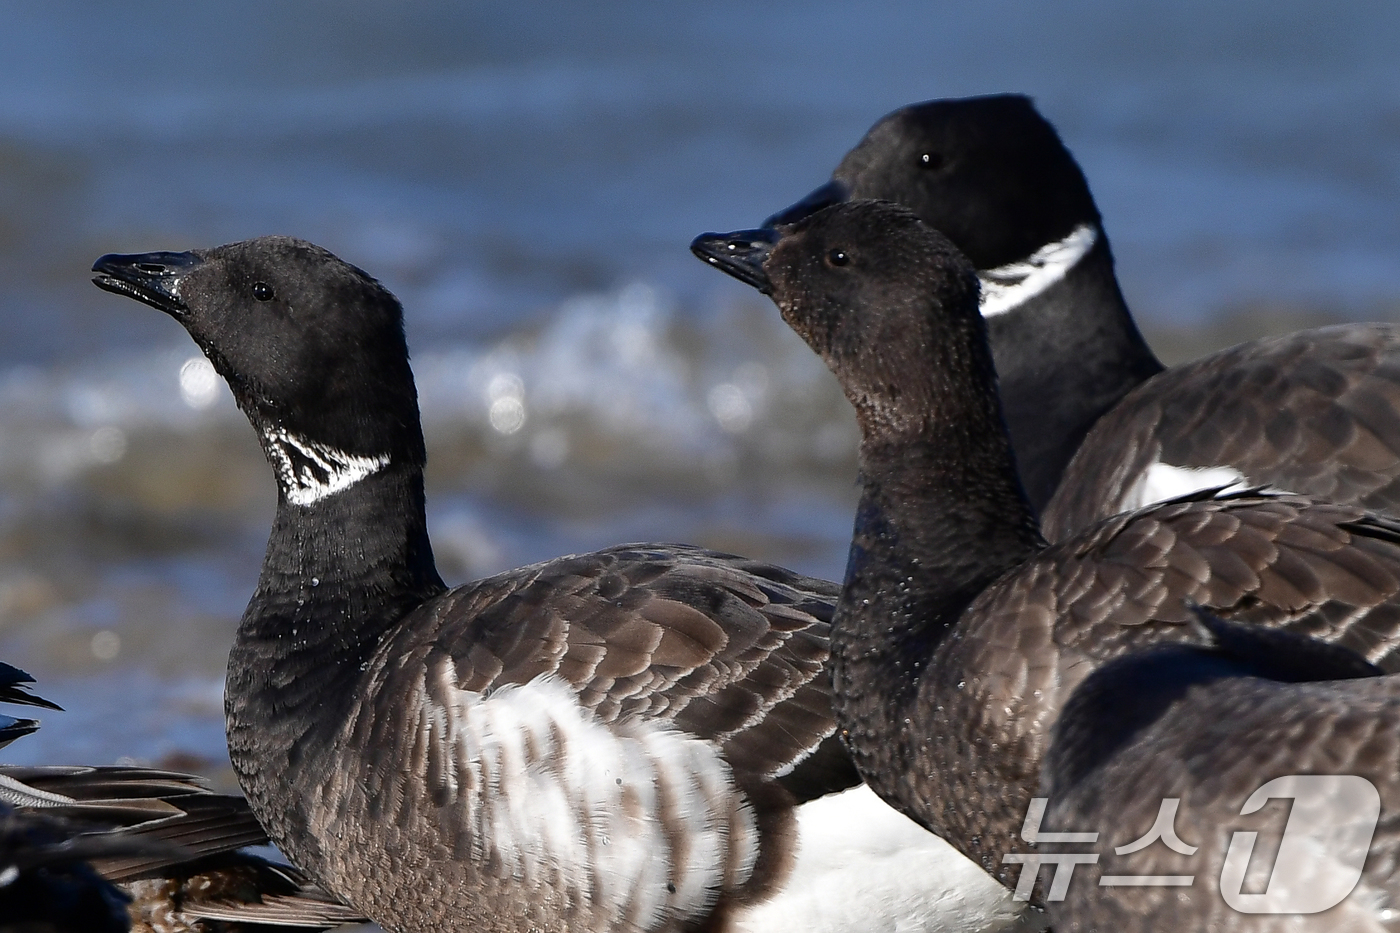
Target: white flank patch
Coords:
[[1015, 283], [862, 865], [309, 471], [641, 822], [1162, 481]]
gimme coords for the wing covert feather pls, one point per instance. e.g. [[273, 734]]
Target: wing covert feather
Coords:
[[1315, 412], [726, 649]]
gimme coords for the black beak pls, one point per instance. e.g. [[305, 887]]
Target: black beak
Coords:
[[151, 278], [833, 192], [741, 254]]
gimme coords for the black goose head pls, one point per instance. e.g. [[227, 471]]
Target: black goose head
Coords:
[[885, 300], [989, 172], [310, 345]]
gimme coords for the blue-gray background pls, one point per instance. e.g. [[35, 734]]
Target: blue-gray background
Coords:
[[526, 177]]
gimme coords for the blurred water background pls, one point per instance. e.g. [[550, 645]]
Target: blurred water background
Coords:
[[526, 177]]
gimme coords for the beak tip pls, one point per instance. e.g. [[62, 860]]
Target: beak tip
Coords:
[[151, 278], [740, 254]]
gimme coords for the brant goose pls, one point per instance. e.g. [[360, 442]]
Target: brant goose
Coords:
[[1169, 754], [960, 633], [612, 741], [1316, 412]]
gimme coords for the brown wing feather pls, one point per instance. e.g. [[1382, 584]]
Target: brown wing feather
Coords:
[[1324, 570], [239, 889], [172, 844], [543, 727], [726, 648], [1215, 746], [1316, 413]]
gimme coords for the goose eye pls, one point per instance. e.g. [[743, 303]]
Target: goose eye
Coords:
[[838, 257], [262, 291], [930, 160]]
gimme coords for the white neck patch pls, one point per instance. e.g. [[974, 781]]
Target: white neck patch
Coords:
[[309, 471], [1015, 283]]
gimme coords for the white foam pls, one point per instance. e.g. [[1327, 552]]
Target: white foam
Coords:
[[604, 372], [1015, 283]]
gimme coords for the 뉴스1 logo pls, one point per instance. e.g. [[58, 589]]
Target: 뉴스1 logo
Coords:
[[1319, 860]]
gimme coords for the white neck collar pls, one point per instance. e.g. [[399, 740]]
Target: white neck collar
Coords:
[[1015, 283], [309, 471]]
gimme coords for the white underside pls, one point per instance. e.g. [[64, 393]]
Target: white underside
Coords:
[[553, 795], [863, 866], [1162, 481], [557, 798], [1015, 283]]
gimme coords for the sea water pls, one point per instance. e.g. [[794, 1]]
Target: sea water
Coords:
[[526, 177]]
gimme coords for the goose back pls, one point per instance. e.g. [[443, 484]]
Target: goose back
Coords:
[[1168, 754], [1097, 425], [611, 741], [960, 633], [1314, 412]]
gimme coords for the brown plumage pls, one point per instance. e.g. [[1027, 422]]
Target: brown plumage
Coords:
[[961, 633], [1315, 412], [724, 650], [1088, 406], [599, 742], [1196, 733], [1328, 571]]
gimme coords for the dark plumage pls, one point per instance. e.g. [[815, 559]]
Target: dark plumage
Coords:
[[960, 633], [174, 849], [14, 689], [1094, 420], [107, 848], [46, 883], [597, 742], [1208, 726]]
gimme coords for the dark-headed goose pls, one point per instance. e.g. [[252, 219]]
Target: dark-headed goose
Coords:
[[594, 743], [1170, 754], [960, 633], [1091, 412]]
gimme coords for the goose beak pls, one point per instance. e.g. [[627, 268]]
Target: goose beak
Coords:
[[740, 254], [150, 278], [833, 192]]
